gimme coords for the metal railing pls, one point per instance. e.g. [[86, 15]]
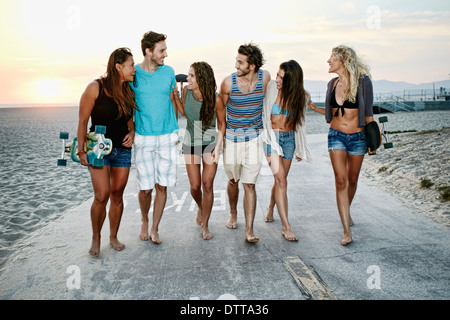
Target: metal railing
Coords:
[[393, 103], [399, 100]]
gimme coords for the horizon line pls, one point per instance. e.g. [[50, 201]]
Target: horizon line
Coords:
[[69, 104]]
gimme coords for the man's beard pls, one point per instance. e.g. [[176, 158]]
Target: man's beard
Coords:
[[156, 62], [244, 73]]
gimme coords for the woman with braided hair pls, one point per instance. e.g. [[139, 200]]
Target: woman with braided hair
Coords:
[[198, 105]]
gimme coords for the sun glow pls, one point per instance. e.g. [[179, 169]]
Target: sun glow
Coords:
[[48, 89], [51, 50]]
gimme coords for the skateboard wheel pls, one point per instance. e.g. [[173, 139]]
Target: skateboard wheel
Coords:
[[383, 119], [97, 163], [64, 135], [62, 162], [100, 129], [388, 145]]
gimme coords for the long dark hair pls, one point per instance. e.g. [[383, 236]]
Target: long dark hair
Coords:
[[204, 75], [293, 94], [123, 95]]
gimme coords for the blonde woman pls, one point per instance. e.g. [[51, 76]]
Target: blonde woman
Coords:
[[348, 108]]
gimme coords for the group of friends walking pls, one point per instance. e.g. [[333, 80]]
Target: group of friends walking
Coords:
[[250, 116]]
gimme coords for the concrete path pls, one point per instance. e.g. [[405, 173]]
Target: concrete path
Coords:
[[396, 254]]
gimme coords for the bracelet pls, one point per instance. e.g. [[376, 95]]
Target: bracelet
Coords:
[[81, 152]]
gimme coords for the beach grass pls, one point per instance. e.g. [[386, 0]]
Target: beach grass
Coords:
[[426, 132], [444, 191], [382, 169], [426, 183], [401, 131], [416, 170]]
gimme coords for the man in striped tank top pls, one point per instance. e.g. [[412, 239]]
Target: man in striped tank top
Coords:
[[239, 117]]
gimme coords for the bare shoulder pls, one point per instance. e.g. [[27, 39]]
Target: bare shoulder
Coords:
[[88, 99], [225, 87], [266, 78], [92, 89]]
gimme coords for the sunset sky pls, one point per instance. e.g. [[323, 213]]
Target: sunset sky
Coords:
[[51, 49]]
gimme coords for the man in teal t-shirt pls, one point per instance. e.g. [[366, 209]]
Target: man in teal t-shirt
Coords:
[[155, 115], [156, 131]]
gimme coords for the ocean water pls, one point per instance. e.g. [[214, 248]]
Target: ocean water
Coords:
[[35, 191]]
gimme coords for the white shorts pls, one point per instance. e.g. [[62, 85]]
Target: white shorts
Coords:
[[243, 160], [156, 160]]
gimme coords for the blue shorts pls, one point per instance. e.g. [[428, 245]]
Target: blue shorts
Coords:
[[286, 140], [355, 144], [118, 158]]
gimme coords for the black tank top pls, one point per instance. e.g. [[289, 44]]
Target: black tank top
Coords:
[[105, 113]]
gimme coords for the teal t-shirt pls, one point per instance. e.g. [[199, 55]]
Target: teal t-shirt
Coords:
[[155, 114]]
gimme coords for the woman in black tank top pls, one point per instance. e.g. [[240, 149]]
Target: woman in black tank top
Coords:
[[109, 101]]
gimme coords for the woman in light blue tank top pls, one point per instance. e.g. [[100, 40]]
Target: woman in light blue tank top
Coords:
[[199, 107]]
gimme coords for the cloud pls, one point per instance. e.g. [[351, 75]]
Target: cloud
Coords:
[[401, 40]]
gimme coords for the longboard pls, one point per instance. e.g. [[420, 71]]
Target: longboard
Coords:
[[97, 146], [375, 135]]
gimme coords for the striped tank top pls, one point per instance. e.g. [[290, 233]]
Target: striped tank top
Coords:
[[244, 111]]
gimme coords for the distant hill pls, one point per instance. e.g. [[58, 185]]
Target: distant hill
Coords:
[[383, 86]]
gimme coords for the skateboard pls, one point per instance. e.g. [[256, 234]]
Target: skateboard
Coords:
[[375, 135], [384, 120], [97, 146]]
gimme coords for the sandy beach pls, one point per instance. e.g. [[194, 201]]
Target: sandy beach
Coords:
[[416, 156], [410, 250], [45, 229]]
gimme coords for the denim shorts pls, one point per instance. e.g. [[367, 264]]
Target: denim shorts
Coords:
[[118, 158], [286, 140], [355, 144]]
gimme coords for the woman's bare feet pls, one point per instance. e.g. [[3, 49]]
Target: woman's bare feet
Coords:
[[116, 244], [269, 216], [143, 235], [232, 222], [346, 241], [206, 234], [95, 248], [198, 219], [289, 235]]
